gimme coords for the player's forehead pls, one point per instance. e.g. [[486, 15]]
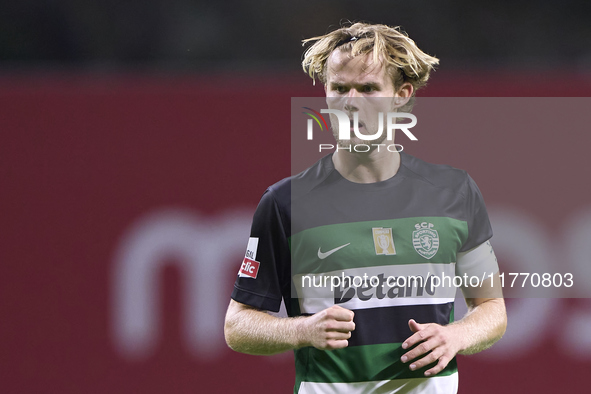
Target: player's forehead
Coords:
[[342, 68]]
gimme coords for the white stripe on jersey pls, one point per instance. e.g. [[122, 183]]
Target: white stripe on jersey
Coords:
[[434, 385], [313, 299]]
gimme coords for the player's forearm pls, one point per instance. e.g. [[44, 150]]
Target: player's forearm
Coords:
[[482, 326], [256, 332]]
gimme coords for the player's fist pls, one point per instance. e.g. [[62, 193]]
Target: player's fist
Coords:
[[329, 329]]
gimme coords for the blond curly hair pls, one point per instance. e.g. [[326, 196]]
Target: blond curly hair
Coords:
[[405, 61]]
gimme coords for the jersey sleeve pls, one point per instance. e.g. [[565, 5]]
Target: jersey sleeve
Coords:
[[479, 228], [264, 272], [479, 261]]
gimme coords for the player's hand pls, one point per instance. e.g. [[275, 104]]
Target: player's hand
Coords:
[[329, 329], [436, 344]]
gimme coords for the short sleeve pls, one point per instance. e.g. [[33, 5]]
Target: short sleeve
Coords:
[[479, 228], [264, 272], [480, 261]]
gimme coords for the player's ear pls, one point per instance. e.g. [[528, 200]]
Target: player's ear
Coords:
[[403, 94], [405, 90]]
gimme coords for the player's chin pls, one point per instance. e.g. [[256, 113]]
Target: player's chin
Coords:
[[362, 146]]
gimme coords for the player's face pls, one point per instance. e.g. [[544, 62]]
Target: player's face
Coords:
[[357, 84]]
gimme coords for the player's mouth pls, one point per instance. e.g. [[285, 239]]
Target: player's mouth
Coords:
[[360, 126]]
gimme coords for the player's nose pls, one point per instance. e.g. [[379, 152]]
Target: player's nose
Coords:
[[352, 100]]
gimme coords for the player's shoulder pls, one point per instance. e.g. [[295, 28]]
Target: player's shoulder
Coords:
[[294, 186], [437, 175]]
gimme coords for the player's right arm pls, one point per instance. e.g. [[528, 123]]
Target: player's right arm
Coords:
[[252, 331], [265, 271]]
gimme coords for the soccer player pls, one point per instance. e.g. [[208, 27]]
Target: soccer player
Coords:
[[382, 214]]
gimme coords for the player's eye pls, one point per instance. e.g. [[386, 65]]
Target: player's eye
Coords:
[[368, 89], [340, 89]]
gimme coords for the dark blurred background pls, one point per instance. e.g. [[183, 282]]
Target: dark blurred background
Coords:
[[264, 36], [136, 138]]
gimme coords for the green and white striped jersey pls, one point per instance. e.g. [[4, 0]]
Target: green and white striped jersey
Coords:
[[385, 243]]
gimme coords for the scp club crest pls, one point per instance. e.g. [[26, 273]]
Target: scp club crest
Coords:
[[425, 240]]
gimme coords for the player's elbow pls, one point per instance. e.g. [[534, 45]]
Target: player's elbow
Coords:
[[233, 330], [499, 320], [502, 319], [230, 333], [236, 340]]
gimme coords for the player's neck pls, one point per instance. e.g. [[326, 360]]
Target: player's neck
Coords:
[[366, 167]]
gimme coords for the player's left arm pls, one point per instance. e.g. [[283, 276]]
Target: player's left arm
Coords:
[[483, 325]]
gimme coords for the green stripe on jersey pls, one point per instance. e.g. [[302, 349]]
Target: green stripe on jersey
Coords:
[[358, 364], [436, 242]]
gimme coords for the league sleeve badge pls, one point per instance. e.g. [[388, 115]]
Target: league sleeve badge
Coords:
[[250, 267]]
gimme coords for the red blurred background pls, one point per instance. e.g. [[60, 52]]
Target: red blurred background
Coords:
[[126, 203]]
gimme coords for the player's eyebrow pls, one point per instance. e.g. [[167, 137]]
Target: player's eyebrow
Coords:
[[373, 85]]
